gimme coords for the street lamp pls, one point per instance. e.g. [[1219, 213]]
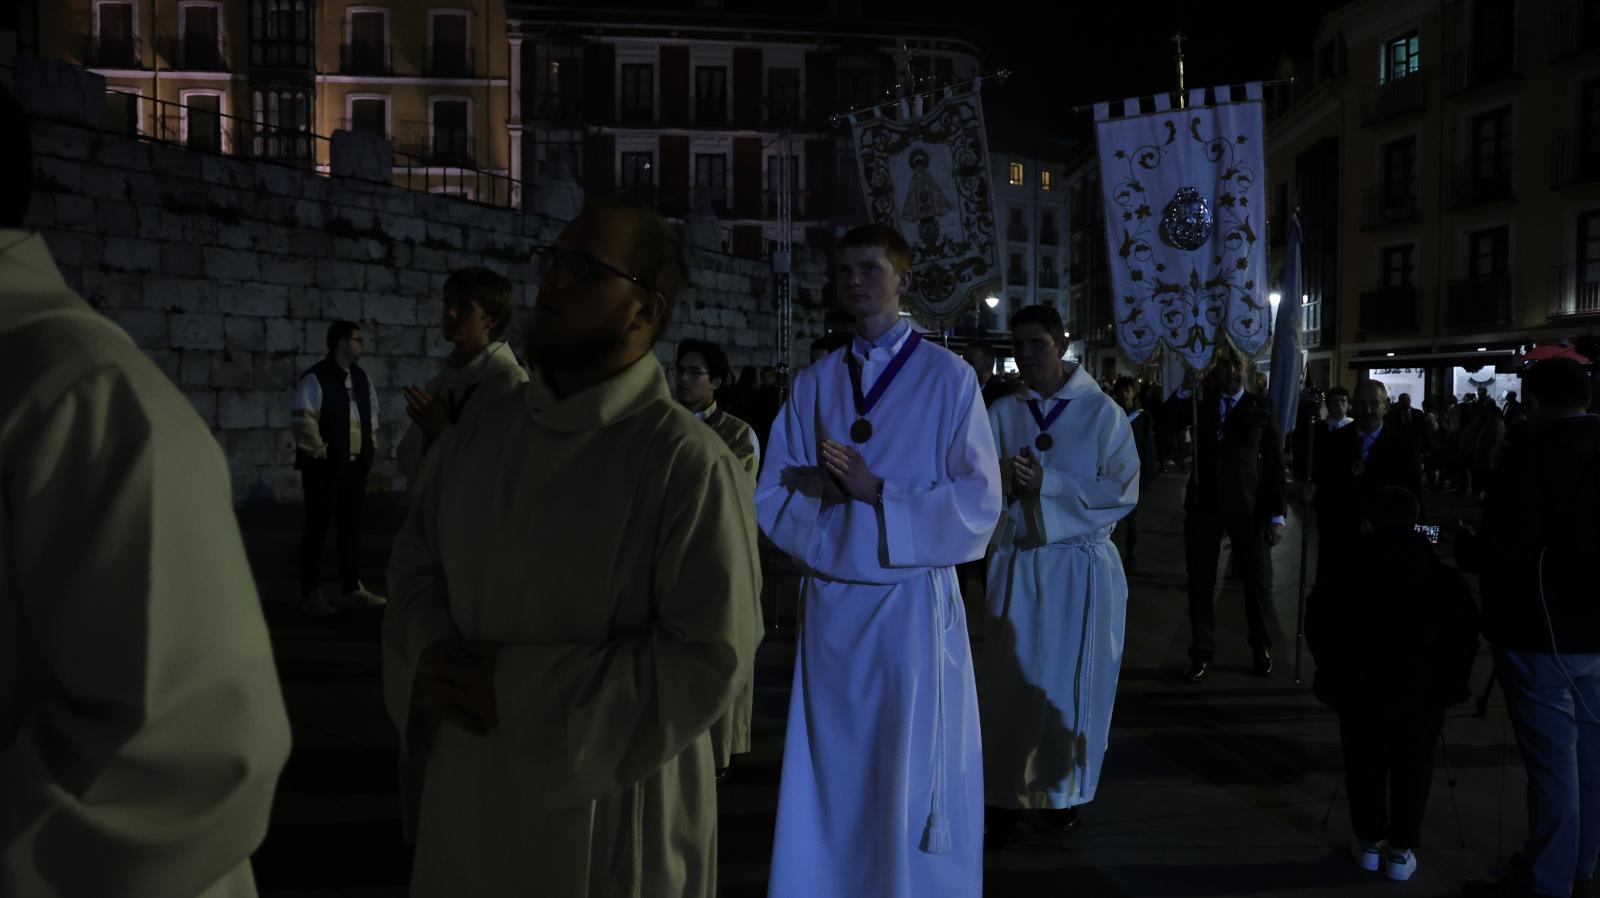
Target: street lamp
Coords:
[[992, 301]]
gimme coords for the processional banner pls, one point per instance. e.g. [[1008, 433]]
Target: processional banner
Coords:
[[1186, 225], [925, 172]]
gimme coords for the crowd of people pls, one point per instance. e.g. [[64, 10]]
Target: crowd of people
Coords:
[[569, 640]]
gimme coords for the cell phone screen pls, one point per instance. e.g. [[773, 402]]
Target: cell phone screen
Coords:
[[1431, 531]]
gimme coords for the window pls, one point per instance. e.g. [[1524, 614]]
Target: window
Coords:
[[1046, 180], [122, 112], [450, 134], [1491, 143], [559, 153], [202, 121], [1400, 58], [1047, 273], [783, 96], [279, 33], [282, 120], [449, 53], [115, 44], [557, 82], [1016, 174], [1399, 172], [638, 169], [711, 95], [1589, 118], [1489, 252], [1017, 226], [1589, 260], [201, 46], [1047, 228], [638, 93], [1399, 266], [854, 88], [370, 115], [711, 179], [367, 50], [1015, 273]]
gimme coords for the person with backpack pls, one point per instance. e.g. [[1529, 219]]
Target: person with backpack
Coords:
[[1542, 616], [1394, 632]]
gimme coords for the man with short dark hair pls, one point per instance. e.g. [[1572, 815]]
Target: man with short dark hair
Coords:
[[335, 423], [881, 476], [702, 370], [980, 355], [141, 718], [571, 602], [1538, 548], [477, 314], [1237, 489], [1360, 461]]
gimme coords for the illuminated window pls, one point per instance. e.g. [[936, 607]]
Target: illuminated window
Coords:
[[1016, 174], [1046, 182]]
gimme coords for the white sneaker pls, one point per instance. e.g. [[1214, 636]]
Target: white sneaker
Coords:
[[361, 598], [316, 604], [1369, 855], [1399, 866]]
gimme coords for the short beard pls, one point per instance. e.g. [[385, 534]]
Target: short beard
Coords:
[[573, 354]]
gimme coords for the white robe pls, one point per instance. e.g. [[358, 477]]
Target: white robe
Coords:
[[1056, 600], [869, 760], [141, 724], [494, 371], [608, 541]]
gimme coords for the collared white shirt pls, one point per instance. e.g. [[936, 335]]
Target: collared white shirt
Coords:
[[308, 406], [1339, 423], [875, 355], [1367, 439], [711, 410]]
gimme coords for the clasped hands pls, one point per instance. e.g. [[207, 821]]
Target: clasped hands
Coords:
[[428, 412], [843, 474], [1027, 475], [455, 679]]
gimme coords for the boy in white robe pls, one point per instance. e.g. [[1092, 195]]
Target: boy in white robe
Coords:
[[1057, 597], [880, 478], [571, 608], [141, 724], [480, 366]]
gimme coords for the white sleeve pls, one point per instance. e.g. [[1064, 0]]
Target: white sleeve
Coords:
[[303, 417]]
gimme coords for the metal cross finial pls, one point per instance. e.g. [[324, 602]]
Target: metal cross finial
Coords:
[[902, 57], [1178, 39]]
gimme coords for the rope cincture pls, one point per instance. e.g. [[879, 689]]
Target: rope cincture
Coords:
[[936, 835]]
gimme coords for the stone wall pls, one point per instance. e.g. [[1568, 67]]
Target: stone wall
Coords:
[[228, 273]]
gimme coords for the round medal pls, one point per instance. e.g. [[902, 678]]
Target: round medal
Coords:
[[1043, 441], [861, 431]]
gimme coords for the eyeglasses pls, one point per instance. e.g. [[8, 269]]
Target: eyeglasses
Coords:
[[692, 373], [580, 266]]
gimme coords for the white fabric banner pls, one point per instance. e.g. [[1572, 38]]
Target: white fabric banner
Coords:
[[927, 176], [1187, 269]]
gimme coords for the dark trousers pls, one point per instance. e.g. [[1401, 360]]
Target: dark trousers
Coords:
[[1388, 770], [1129, 526], [332, 492], [1203, 531]]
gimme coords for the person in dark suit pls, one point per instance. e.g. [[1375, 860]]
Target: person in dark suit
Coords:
[[1338, 402], [1409, 421], [1237, 489], [1125, 392], [1362, 460]]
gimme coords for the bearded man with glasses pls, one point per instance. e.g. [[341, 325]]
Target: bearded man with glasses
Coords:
[[572, 602]]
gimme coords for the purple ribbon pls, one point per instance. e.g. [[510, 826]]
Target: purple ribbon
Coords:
[[1044, 421], [865, 403]]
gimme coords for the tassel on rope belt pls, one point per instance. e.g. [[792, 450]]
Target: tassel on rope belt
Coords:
[[936, 836]]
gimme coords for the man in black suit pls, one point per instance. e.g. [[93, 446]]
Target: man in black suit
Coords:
[[1338, 402], [1238, 490], [1362, 460]]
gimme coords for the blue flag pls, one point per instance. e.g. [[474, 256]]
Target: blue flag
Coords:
[[1286, 364]]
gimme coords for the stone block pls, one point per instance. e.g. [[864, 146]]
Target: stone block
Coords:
[[275, 180], [244, 334], [381, 279], [305, 304], [429, 310], [148, 329], [417, 284], [314, 342], [74, 212], [404, 227], [361, 156], [309, 245], [342, 305], [279, 413], [429, 260], [105, 183], [202, 331], [113, 289], [260, 300], [288, 270], [275, 371], [377, 368], [132, 254], [241, 236], [284, 335], [271, 238], [389, 310], [233, 370], [55, 175], [205, 405], [231, 264], [408, 372], [175, 229], [282, 483], [195, 370], [334, 275], [242, 410], [66, 247], [181, 259], [60, 91], [399, 340], [116, 218], [253, 448]]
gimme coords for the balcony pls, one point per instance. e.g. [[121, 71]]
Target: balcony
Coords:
[[434, 144], [195, 54], [1469, 70], [1571, 163], [447, 62], [565, 106], [1478, 302], [114, 53], [270, 53], [1383, 205], [801, 200], [1382, 101], [1016, 277], [365, 59], [1017, 233], [1573, 30], [1050, 236], [783, 112], [1049, 280], [1388, 310], [1484, 181], [1577, 290]]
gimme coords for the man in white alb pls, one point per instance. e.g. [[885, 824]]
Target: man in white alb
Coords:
[[1057, 597], [880, 478]]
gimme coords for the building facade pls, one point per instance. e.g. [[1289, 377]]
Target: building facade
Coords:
[[710, 110], [1030, 190], [270, 79]]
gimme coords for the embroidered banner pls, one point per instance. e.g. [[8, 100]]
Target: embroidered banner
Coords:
[[1186, 226], [925, 172]]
